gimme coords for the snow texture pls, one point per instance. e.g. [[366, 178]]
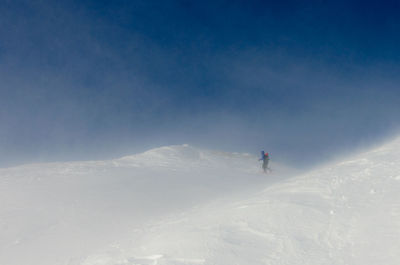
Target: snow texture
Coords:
[[182, 205]]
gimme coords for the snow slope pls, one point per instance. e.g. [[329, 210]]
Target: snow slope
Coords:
[[59, 213], [345, 213], [180, 205]]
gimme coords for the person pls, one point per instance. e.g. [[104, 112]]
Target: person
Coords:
[[265, 159]]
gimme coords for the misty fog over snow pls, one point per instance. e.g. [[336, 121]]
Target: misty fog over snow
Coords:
[[96, 80], [183, 205], [130, 132]]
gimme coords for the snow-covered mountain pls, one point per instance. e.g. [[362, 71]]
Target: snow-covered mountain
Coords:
[[181, 205]]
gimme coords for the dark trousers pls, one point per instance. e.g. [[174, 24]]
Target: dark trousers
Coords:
[[265, 164]]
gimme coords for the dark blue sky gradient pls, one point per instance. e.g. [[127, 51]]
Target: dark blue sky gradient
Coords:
[[306, 80]]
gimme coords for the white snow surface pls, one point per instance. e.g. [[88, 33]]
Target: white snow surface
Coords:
[[182, 205]]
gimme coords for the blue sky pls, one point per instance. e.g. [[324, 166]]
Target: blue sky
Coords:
[[305, 80]]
